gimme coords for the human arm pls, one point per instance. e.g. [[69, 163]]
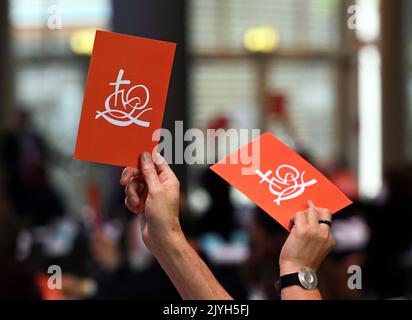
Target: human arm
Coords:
[[308, 244], [153, 192]]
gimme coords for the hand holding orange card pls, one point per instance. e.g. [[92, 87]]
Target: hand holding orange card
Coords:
[[278, 180], [125, 98]]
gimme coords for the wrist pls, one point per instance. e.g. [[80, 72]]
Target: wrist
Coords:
[[287, 267], [169, 244]]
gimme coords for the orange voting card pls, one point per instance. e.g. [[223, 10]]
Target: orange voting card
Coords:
[[125, 98], [278, 180]]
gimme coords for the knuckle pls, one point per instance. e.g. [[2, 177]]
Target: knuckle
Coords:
[[128, 206], [323, 234], [149, 170], [302, 232], [130, 188], [127, 189], [133, 180], [155, 191], [163, 175], [125, 172]]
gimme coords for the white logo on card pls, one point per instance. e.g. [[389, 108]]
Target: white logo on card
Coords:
[[286, 183], [134, 103]]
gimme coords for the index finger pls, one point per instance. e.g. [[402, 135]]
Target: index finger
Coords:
[[149, 171], [162, 167], [300, 220], [312, 214]]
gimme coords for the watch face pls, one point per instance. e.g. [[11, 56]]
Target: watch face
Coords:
[[308, 278]]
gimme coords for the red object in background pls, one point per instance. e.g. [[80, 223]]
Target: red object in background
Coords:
[[95, 204], [278, 105], [46, 292], [219, 123]]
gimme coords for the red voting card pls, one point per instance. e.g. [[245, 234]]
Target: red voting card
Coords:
[[278, 180], [125, 98]]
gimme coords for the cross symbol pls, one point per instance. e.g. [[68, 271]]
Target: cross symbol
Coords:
[[118, 83]]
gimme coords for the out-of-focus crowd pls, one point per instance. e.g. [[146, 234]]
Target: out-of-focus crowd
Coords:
[[106, 259]]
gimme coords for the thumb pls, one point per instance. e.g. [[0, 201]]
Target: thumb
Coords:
[[149, 172]]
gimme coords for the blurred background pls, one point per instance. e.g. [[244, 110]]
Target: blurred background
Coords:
[[331, 78]]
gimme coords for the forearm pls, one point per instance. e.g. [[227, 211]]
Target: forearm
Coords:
[[189, 274]]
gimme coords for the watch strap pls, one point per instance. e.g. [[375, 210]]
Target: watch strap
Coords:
[[289, 280]]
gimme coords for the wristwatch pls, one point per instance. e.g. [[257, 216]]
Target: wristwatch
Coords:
[[305, 278]]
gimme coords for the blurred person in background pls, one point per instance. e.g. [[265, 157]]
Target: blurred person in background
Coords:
[[17, 279], [390, 223], [25, 166], [352, 234], [213, 221], [266, 240], [124, 269], [153, 192]]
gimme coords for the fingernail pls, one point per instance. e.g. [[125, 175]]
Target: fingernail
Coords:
[[159, 160], [146, 157]]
